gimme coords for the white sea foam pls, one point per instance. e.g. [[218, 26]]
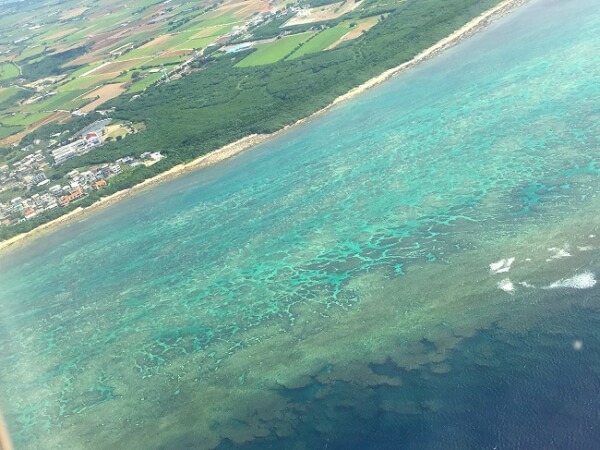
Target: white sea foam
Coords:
[[559, 252], [502, 266], [506, 285], [585, 248], [526, 284], [583, 280]]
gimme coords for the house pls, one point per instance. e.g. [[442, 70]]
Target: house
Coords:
[[105, 170], [100, 183], [92, 139], [65, 200], [29, 214], [55, 190]]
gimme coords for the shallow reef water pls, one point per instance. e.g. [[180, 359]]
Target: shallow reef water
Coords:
[[414, 269]]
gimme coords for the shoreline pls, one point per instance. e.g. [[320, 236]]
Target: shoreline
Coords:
[[221, 154]]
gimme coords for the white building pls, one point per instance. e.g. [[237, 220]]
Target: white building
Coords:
[[68, 151]]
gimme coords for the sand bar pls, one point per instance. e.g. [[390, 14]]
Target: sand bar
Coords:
[[247, 142]]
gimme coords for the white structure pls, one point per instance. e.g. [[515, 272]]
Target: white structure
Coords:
[[68, 151]]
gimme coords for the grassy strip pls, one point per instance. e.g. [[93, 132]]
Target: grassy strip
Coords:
[[321, 41], [8, 131], [148, 80], [274, 51], [8, 71]]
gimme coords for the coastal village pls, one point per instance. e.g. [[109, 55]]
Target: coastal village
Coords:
[[30, 175]]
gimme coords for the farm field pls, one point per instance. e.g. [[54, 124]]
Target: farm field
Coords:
[[86, 82], [8, 71], [61, 99], [72, 51], [274, 51], [6, 131], [60, 61], [6, 94], [322, 13], [332, 37], [321, 41], [169, 60], [120, 66], [145, 82], [23, 119], [355, 30], [101, 95]]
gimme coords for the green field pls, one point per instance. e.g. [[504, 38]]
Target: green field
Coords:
[[85, 69], [198, 43], [147, 51], [274, 51], [214, 31], [43, 31], [170, 44], [168, 60], [321, 41], [8, 131], [211, 19], [7, 93], [74, 105], [23, 119], [8, 71], [139, 86], [30, 52], [88, 82], [181, 39], [59, 100]]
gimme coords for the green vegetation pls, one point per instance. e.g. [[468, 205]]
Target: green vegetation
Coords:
[[315, 3], [23, 118], [274, 51], [88, 82], [148, 80], [197, 43], [51, 65], [6, 131], [270, 29], [214, 31], [11, 95], [321, 41], [85, 69], [31, 52], [214, 18], [147, 49], [61, 99], [166, 60], [180, 41], [8, 71]]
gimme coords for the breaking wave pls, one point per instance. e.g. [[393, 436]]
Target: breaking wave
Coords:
[[584, 280]]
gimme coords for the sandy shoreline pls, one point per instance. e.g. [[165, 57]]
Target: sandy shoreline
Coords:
[[250, 141]]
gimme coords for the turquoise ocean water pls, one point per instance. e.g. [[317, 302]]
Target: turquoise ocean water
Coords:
[[414, 269]]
